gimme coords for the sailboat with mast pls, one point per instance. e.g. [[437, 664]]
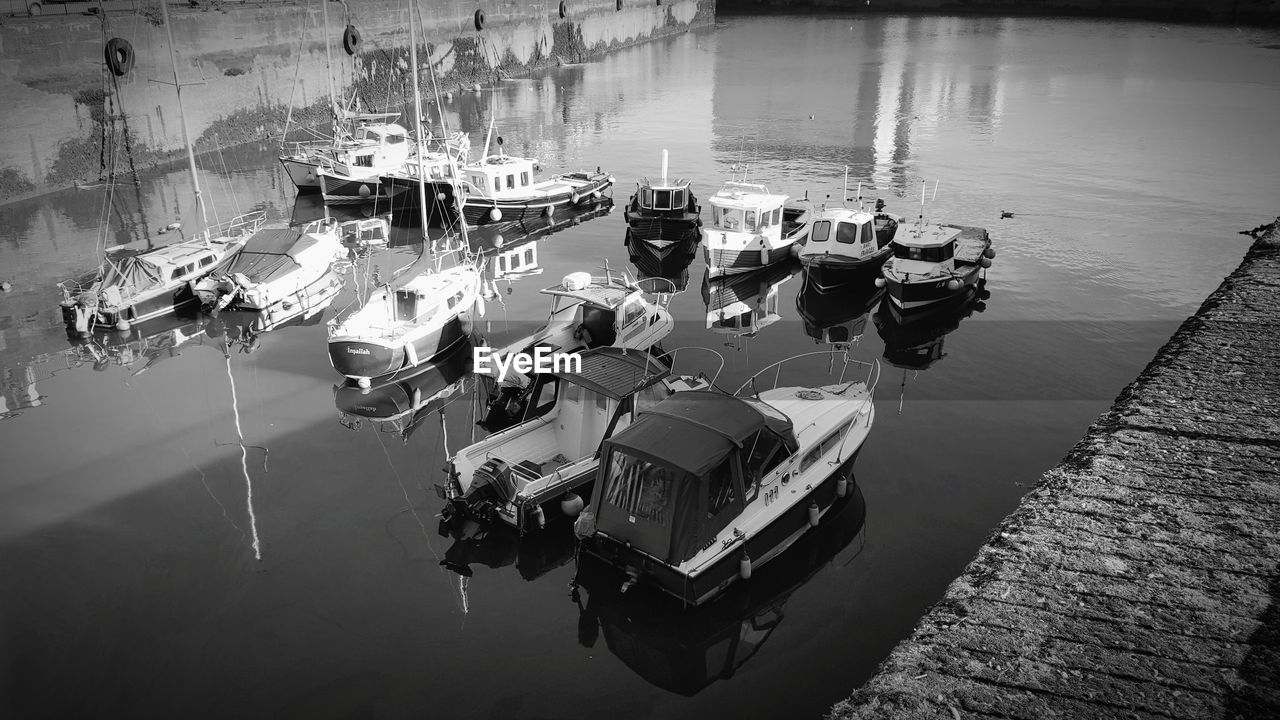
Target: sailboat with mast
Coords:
[[420, 315], [135, 288]]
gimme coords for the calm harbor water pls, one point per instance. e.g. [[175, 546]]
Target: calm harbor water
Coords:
[[190, 526]]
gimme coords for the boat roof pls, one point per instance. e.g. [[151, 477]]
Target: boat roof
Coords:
[[597, 293], [446, 281], [693, 430], [680, 184], [930, 236], [269, 252], [368, 116], [840, 213], [738, 194], [616, 372]]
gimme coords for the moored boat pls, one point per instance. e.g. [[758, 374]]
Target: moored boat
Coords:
[[405, 324], [587, 311], [932, 263], [846, 244], [704, 487], [279, 272], [663, 218], [751, 228], [136, 288], [543, 467], [400, 402], [503, 187], [437, 162], [353, 172]]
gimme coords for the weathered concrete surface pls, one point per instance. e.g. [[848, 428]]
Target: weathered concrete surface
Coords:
[[67, 118], [1140, 579]]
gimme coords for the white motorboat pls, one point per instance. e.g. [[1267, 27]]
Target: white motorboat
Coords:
[[751, 228]]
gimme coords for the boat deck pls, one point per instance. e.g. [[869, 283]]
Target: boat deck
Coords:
[[971, 244]]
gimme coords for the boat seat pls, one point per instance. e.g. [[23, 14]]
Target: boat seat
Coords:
[[528, 470]]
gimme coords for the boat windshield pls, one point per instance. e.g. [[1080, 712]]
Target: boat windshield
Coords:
[[925, 254], [848, 233], [820, 231]]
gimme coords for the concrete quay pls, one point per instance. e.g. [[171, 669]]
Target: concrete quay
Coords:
[[1141, 577]]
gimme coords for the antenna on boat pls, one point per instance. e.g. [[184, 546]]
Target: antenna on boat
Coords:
[[923, 186], [844, 194], [664, 166], [859, 194]]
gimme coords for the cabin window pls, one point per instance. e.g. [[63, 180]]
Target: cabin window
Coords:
[[661, 199], [761, 455], [847, 233], [823, 448], [395, 139], [648, 397], [206, 261], [601, 402], [750, 224], [184, 270], [437, 172], [925, 254], [640, 488], [372, 136], [821, 230], [364, 161], [677, 199], [497, 183], [361, 133], [632, 312], [524, 178], [511, 181], [777, 216], [720, 489], [477, 180], [573, 393], [502, 263]]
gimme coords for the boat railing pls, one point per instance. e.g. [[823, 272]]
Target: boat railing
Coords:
[[847, 363], [238, 226], [303, 148], [673, 356]]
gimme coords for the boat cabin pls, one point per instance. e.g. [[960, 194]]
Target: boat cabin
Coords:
[[374, 147], [921, 252], [850, 233], [365, 233], [604, 310], [162, 268], [664, 198], [747, 208], [685, 469], [426, 296], [501, 176]]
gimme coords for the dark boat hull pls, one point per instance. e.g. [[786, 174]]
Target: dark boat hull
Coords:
[[338, 190], [479, 210], [661, 229], [915, 294], [361, 359], [668, 261], [826, 275]]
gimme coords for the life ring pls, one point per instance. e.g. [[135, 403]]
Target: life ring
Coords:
[[564, 10], [119, 56], [479, 19], [351, 39]]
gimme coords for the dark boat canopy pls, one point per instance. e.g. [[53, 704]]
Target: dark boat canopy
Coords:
[[694, 430], [616, 372]]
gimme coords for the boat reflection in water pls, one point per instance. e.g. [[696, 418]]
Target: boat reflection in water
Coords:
[[913, 340], [511, 248], [743, 305], [401, 402], [684, 650], [673, 268], [836, 315], [496, 546]]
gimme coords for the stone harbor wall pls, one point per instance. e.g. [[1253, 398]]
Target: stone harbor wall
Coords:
[[1263, 12], [69, 118], [1141, 578]]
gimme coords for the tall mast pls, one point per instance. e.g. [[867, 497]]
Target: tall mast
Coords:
[[417, 118], [328, 60], [186, 134], [454, 172]]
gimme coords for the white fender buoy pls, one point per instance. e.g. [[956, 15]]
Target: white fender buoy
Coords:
[[795, 251], [573, 198], [986, 262], [571, 504], [122, 324], [764, 256], [953, 284], [595, 194], [842, 486], [499, 241], [495, 215], [880, 282], [439, 197], [365, 191], [549, 211], [744, 567], [813, 514], [540, 517], [990, 252], [363, 382]]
